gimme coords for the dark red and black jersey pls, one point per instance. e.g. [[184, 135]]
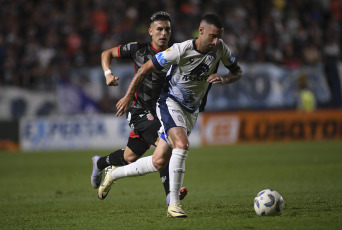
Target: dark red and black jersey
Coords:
[[148, 92]]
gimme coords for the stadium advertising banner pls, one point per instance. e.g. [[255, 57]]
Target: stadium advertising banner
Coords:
[[73, 132], [263, 126], [108, 132], [268, 86], [78, 132]]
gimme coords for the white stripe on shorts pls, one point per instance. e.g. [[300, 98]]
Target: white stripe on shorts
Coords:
[[171, 114]]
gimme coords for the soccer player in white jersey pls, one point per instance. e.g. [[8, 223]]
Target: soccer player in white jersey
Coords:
[[192, 68]]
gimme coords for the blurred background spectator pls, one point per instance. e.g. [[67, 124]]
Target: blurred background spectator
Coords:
[[306, 99], [41, 41]]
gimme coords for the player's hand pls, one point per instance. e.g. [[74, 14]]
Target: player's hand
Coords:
[[122, 106], [217, 79], [111, 80]]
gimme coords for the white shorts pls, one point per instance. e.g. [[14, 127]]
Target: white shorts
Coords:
[[171, 114]]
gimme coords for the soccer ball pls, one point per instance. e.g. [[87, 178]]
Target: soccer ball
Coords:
[[268, 202]]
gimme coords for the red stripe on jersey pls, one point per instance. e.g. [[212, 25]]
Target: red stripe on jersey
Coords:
[[155, 48], [136, 93], [132, 134], [119, 54], [135, 98]]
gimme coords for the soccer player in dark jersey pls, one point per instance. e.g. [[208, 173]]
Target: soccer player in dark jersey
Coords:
[[142, 111]]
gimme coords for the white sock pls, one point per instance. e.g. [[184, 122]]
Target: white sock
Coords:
[[176, 171], [141, 167]]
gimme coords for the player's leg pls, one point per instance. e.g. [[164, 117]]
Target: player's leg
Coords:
[[150, 135], [138, 147], [177, 170], [142, 166], [114, 158], [164, 176], [100, 163], [134, 150], [179, 140], [148, 126], [177, 124]]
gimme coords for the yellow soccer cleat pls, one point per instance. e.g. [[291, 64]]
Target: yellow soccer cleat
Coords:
[[106, 183], [175, 210]]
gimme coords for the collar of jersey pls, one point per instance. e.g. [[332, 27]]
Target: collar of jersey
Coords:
[[195, 47], [157, 51]]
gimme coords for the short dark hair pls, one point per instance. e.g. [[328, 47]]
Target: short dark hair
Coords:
[[213, 19], [160, 16]]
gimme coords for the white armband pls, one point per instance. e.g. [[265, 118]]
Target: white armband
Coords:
[[107, 72]]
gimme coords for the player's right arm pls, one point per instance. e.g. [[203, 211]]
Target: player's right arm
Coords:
[[144, 70], [161, 60], [106, 58]]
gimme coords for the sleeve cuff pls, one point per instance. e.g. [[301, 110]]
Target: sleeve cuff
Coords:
[[119, 52], [156, 63]]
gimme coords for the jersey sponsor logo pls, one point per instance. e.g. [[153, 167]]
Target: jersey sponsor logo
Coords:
[[194, 78], [161, 59], [200, 69], [198, 74]]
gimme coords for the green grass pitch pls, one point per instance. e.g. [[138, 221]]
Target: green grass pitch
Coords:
[[51, 190]]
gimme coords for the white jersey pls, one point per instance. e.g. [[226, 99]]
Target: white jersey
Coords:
[[189, 69]]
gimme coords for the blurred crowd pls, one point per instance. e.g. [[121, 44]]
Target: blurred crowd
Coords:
[[41, 40]]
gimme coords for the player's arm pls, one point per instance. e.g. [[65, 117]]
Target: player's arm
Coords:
[[106, 58], [235, 73], [144, 70]]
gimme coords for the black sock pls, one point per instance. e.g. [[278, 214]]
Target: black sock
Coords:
[[164, 176], [115, 158]]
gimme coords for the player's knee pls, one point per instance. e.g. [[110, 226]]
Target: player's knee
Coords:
[[131, 158], [179, 144], [159, 163], [180, 141]]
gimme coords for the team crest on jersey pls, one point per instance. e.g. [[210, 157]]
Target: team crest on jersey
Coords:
[[150, 117], [232, 58], [180, 119], [168, 50]]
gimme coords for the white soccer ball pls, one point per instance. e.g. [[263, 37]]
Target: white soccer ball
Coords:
[[268, 202]]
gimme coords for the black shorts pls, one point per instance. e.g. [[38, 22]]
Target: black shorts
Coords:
[[145, 128]]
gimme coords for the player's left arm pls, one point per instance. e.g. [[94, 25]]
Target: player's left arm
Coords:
[[231, 63], [144, 70], [235, 73]]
